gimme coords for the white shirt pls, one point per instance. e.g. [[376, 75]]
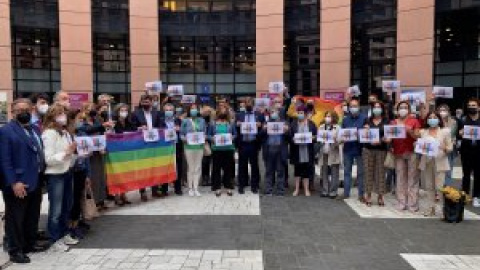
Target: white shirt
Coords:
[[148, 118]]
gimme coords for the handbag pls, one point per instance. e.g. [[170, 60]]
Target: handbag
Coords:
[[389, 161], [89, 207]]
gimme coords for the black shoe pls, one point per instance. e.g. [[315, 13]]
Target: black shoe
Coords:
[[19, 258], [37, 248], [83, 225], [179, 193], [255, 191], [241, 191]]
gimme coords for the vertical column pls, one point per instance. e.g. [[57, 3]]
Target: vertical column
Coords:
[[5, 51], [269, 43], [76, 46], [144, 46], [415, 43], [335, 40]]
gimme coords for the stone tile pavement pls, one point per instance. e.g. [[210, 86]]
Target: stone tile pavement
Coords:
[[434, 262]]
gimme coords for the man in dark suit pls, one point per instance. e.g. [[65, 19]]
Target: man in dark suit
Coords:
[[21, 161], [169, 121], [248, 148], [143, 118]]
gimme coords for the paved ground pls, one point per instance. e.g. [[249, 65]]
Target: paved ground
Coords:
[[282, 233]]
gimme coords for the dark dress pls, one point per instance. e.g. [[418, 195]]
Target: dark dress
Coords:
[[302, 169]]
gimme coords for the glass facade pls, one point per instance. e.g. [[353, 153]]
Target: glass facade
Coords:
[[374, 42], [457, 48], [111, 49], [208, 46], [302, 46], [35, 47]]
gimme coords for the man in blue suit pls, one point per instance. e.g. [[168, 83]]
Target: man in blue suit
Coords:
[[21, 162], [248, 148]]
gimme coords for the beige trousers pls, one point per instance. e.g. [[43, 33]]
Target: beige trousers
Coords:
[[194, 160], [408, 182], [432, 180]]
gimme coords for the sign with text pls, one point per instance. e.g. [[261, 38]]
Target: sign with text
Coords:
[[275, 128], [195, 138], [414, 96], [354, 91], [276, 87], [248, 128], [427, 147], [77, 100], [170, 134], [369, 135], [188, 99], [84, 146], [175, 90], [443, 92], [224, 139], [348, 134], [471, 133], [394, 131], [335, 96], [390, 86], [99, 143], [154, 87], [262, 102], [325, 136], [151, 135], [303, 138]]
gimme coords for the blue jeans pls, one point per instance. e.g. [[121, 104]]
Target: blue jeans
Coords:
[[348, 160], [448, 176], [60, 196], [275, 171]]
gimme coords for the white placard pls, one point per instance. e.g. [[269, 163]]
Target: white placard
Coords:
[[195, 138], [99, 143], [471, 133], [248, 128], [156, 86], [325, 136], [151, 135], [262, 102], [188, 99], [369, 135], [443, 92], [170, 135], [414, 97], [395, 131], [175, 90], [224, 139], [390, 86], [84, 145], [276, 87], [348, 134], [275, 128], [354, 91], [303, 138], [427, 147]]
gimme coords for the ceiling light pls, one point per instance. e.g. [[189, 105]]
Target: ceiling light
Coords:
[[448, 29]]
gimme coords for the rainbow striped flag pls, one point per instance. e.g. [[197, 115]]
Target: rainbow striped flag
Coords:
[[132, 163]]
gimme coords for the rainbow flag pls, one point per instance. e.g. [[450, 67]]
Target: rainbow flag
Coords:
[[132, 163], [321, 106]]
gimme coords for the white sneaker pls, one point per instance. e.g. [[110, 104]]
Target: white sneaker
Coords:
[[476, 202], [68, 240], [60, 246], [197, 193], [191, 193]]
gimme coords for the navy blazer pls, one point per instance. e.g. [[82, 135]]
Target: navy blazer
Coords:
[[259, 118], [138, 118], [18, 157]]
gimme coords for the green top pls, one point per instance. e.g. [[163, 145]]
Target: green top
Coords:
[[197, 126], [222, 129]]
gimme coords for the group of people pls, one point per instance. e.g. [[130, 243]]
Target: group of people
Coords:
[[38, 153]]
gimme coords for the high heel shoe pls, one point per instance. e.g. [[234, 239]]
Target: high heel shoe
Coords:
[[381, 202]]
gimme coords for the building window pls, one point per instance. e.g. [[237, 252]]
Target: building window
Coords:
[[35, 47], [457, 49], [302, 47], [111, 49], [374, 44], [208, 46]]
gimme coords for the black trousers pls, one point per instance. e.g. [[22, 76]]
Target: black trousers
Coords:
[[21, 219], [79, 178], [470, 164], [206, 165], [223, 161], [248, 154], [178, 182]]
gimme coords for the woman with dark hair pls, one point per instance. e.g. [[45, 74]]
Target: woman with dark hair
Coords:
[[406, 160], [302, 155], [123, 124], [329, 157], [193, 123], [374, 155], [434, 169]]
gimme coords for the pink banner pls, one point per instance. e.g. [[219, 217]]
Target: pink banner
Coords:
[[335, 96], [77, 100]]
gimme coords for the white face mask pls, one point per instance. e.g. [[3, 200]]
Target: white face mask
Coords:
[[328, 120], [61, 120], [42, 109], [403, 112], [123, 115]]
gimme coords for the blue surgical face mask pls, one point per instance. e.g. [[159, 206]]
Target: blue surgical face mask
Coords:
[[301, 116], [377, 111], [193, 112], [433, 122], [274, 116], [169, 114], [354, 110]]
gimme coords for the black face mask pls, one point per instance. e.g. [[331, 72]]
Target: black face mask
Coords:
[[310, 107], [472, 111], [92, 113], [249, 108], [24, 118], [146, 107], [207, 118]]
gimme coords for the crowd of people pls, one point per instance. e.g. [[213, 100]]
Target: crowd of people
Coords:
[[38, 154]]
